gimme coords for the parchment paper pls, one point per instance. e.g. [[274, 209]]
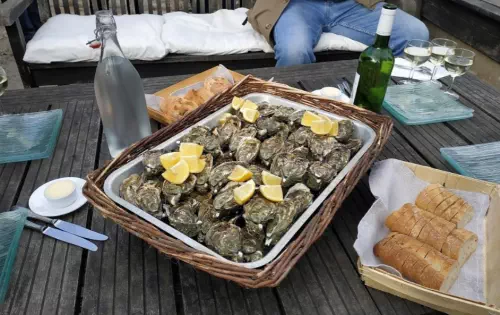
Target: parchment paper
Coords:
[[394, 185]]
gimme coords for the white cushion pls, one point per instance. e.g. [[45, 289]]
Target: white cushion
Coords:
[[63, 38], [222, 33]]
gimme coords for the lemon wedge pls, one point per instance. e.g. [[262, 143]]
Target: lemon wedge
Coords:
[[224, 118], [196, 164], [335, 129], [250, 115], [178, 173], [237, 102], [249, 104], [272, 192], [321, 127], [308, 118], [270, 179], [243, 193], [240, 174], [168, 160], [187, 149]]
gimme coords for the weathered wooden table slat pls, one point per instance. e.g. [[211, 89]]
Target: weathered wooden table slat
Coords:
[[126, 276]]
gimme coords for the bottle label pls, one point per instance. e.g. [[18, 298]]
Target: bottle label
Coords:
[[354, 88]]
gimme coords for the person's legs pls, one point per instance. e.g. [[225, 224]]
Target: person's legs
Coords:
[[360, 24], [297, 32]]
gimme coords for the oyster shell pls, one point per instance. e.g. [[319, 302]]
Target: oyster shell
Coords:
[[300, 151], [280, 223], [224, 202], [225, 239], [354, 145], [267, 127], [346, 130], [320, 146], [270, 147], [256, 173], [129, 187], [227, 130], [290, 167], [252, 238], [266, 110], [283, 114], [338, 158], [148, 198], [248, 150], [219, 174], [174, 192], [300, 196], [184, 218], [296, 117], [319, 175], [152, 164], [301, 136], [202, 178], [201, 135], [207, 216], [249, 131], [259, 210], [253, 257]]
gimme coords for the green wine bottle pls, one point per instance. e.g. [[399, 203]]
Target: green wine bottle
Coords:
[[375, 66]]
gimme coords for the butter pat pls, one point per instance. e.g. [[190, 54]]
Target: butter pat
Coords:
[[60, 193]]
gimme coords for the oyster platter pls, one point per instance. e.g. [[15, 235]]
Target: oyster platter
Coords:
[[240, 184]]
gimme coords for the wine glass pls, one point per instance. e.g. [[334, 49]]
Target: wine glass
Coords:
[[417, 52], [3, 84], [457, 62], [440, 47]]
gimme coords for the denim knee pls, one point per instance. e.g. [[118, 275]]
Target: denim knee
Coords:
[[296, 53]]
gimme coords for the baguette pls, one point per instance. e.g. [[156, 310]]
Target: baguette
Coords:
[[459, 245], [418, 262], [436, 199]]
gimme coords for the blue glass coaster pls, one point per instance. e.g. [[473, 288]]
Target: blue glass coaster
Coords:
[[29, 136], [11, 227], [479, 161], [423, 103]]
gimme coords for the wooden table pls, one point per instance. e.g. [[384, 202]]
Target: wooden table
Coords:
[[126, 276]]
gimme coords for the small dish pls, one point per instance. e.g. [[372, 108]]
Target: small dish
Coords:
[[40, 205], [60, 193], [326, 92]]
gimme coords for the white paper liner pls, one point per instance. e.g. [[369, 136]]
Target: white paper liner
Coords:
[[394, 185]]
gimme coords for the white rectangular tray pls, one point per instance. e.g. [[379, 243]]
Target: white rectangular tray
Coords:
[[113, 182]]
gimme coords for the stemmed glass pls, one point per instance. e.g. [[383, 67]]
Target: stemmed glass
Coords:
[[457, 61], [440, 47], [3, 85], [417, 52]]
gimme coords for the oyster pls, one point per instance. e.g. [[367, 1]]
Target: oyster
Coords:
[[290, 167], [152, 164], [296, 117], [269, 148], [267, 127], [202, 136], [174, 192], [301, 136], [224, 202], [320, 146], [252, 238], [223, 158], [207, 216], [259, 210], [253, 257], [184, 218], [319, 174], [283, 131], [300, 196], [227, 130], [148, 198], [346, 130], [338, 158], [283, 114], [353, 145], [256, 173], [300, 151], [129, 187], [248, 150], [202, 178], [249, 131], [266, 110], [225, 239], [280, 223], [155, 182], [219, 174], [211, 145]]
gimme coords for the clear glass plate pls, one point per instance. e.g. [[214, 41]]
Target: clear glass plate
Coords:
[[29, 136], [423, 103], [479, 161]]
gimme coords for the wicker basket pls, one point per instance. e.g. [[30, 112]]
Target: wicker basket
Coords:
[[273, 273]]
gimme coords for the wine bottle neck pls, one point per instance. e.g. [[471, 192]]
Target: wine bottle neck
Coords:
[[381, 41], [384, 27]]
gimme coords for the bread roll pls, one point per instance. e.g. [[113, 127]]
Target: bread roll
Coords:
[[427, 267], [445, 204], [459, 245], [195, 97], [216, 84], [176, 107]]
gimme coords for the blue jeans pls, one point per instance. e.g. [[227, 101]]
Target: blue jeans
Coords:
[[300, 26]]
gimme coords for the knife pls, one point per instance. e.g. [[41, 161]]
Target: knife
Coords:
[[68, 227], [62, 236]]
